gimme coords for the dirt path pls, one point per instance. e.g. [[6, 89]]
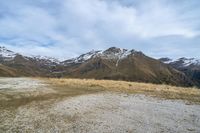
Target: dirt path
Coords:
[[103, 112]]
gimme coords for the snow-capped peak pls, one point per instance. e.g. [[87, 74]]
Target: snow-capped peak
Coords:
[[87, 56], [84, 57], [7, 54], [111, 53], [189, 61], [46, 58], [181, 62], [167, 60], [117, 53]]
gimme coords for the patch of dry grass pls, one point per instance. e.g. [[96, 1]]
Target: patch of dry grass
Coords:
[[10, 98], [63, 88], [161, 91]]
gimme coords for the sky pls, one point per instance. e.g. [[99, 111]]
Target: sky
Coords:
[[67, 28]]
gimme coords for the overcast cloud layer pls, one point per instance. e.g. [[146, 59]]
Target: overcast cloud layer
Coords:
[[66, 28]]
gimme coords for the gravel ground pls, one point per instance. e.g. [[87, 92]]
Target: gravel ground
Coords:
[[22, 85], [103, 112]]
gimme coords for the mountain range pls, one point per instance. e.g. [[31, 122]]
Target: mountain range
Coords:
[[189, 66], [112, 63]]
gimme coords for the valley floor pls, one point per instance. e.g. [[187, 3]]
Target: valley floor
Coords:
[[76, 106]]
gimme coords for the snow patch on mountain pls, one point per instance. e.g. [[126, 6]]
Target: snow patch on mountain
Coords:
[[45, 58], [111, 53], [82, 58], [7, 54], [117, 54], [87, 56], [167, 60], [189, 61], [183, 62]]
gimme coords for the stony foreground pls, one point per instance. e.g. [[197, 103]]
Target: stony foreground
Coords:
[[102, 112]]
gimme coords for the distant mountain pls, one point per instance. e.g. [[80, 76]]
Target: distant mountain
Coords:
[[122, 64], [113, 63], [182, 62], [189, 66], [26, 66], [6, 55]]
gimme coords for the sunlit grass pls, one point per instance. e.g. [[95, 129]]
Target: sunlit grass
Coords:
[[161, 91]]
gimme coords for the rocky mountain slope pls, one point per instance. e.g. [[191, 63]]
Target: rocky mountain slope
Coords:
[[113, 63], [189, 66]]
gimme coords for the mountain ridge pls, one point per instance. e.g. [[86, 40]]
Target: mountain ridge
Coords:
[[189, 66], [113, 63]]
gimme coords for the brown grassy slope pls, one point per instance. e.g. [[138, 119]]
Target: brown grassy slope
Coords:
[[27, 67], [161, 91], [6, 71]]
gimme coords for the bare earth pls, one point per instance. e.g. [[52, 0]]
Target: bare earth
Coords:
[[100, 112]]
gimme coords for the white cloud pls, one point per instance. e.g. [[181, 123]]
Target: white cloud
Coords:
[[68, 27]]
